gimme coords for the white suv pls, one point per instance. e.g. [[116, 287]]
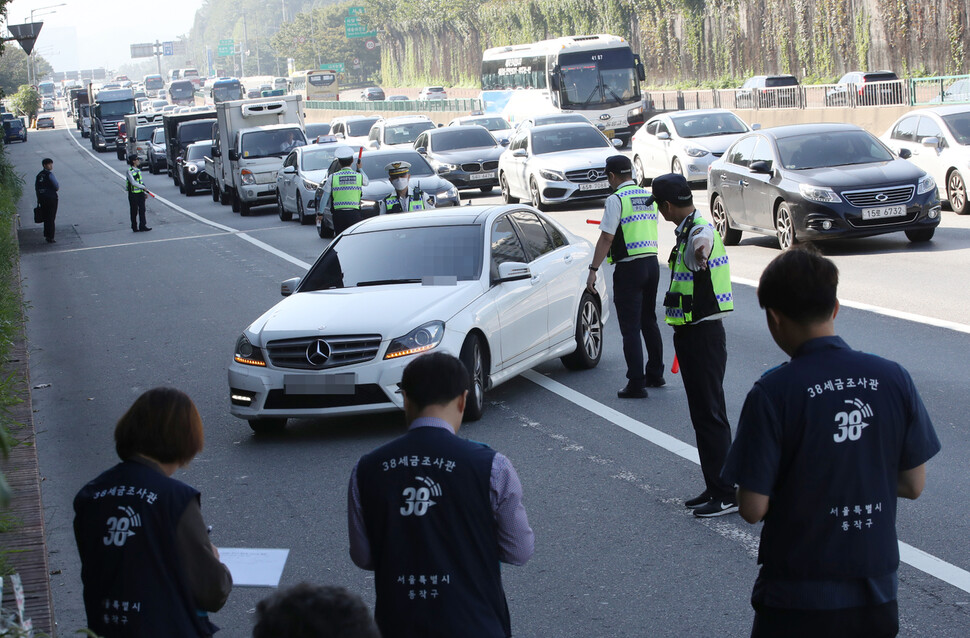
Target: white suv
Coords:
[[398, 132], [433, 93]]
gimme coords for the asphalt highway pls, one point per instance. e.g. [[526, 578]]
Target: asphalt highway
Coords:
[[113, 313]]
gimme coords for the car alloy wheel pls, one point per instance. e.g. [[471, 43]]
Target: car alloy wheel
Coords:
[[284, 216], [506, 193], [471, 356], [535, 196], [785, 227], [589, 336], [729, 235], [676, 167], [301, 213], [956, 192], [639, 175]]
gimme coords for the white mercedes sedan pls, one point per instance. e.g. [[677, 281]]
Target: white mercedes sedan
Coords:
[[501, 287]]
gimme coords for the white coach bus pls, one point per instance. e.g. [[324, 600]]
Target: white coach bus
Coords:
[[596, 75]]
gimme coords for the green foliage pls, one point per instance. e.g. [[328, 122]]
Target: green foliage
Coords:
[[27, 100], [13, 69]]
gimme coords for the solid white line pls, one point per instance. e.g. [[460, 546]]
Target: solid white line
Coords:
[[908, 554]]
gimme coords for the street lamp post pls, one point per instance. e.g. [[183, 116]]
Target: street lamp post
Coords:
[[31, 73]]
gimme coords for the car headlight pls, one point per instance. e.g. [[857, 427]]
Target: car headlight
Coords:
[[421, 339], [818, 193], [696, 152], [193, 168], [635, 112], [447, 168], [926, 185], [552, 176], [248, 354], [248, 178], [310, 186]]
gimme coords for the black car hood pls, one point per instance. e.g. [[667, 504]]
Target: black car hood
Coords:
[[860, 175], [481, 154]]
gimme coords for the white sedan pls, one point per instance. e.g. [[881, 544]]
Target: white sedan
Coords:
[[501, 287], [938, 141], [297, 180], [684, 142], [556, 163]]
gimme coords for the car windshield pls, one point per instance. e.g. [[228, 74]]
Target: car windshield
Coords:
[[399, 255], [708, 125], [272, 143], [143, 133], [13, 125], [405, 133], [783, 80], [374, 165], [446, 140], [197, 151], [359, 128], [835, 148], [319, 158], [189, 132], [573, 138], [565, 118], [491, 123], [959, 125]]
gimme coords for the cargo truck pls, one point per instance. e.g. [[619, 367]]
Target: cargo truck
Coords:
[[108, 108]]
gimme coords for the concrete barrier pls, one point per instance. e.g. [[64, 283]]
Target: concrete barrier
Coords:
[[325, 115], [875, 119]]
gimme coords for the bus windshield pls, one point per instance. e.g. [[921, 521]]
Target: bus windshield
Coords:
[[225, 91], [593, 79]]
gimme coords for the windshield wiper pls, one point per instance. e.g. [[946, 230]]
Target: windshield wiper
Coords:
[[382, 282], [618, 99]]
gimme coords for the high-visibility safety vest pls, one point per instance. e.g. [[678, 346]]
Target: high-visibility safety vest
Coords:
[[136, 175], [695, 295], [393, 204], [636, 233], [346, 189]]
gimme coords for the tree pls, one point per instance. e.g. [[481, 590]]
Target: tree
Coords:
[[13, 69], [27, 101]]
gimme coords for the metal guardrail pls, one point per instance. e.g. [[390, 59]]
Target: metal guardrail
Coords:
[[947, 89], [402, 106]]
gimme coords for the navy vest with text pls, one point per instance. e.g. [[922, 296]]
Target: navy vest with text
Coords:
[[428, 514], [134, 586]]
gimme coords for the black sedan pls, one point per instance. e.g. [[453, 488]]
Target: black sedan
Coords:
[[819, 181], [192, 167], [467, 156]]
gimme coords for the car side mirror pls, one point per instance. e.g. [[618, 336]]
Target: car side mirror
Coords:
[[440, 125], [215, 151], [288, 287], [289, 170], [755, 127], [520, 152], [905, 153], [663, 136], [233, 155], [760, 166], [422, 150], [513, 271], [616, 143], [931, 142], [504, 142]]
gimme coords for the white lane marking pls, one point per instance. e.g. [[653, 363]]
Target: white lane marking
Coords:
[[908, 554], [235, 231], [887, 312]]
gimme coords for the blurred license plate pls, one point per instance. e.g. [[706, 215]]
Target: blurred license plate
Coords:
[[880, 213], [341, 383], [490, 175], [609, 133], [594, 186]]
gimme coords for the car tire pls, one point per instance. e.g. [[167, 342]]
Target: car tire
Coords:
[[535, 198], [474, 359], [730, 236], [589, 336], [486, 189], [677, 167], [920, 235], [224, 197], [267, 426], [956, 192], [785, 227], [506, 193], [235, 202], [641, 178], [324, 232], [181, 188], [190, 190], [153, 168], [245, 208], [214, 189], [305, 220], [282, 212]]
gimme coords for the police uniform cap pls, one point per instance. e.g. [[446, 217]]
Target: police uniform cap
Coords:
[[132, 158], [618, 165], [397, 169], [673, 188], [344, 153]]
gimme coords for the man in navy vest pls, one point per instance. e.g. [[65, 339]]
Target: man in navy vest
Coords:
[[433, 515], [825, 445]]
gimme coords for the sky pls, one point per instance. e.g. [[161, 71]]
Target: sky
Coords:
[[87, 34]]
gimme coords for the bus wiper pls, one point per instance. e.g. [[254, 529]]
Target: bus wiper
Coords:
[[382, 282], [595, 90], [618, 99]]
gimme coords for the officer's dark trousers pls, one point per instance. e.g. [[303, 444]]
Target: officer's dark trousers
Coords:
[[344, 219], [878, 621], [702, 353], [48, 208], [136, 206], [635, 297]]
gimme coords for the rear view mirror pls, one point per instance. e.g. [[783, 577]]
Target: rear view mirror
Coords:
[[504, 142]]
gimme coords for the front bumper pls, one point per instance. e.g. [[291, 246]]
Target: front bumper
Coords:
[[258, 193], [463, 179], [846, 221], [556, 191]]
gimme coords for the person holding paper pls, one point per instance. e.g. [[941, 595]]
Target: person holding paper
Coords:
[[433, 515], [147, 565]]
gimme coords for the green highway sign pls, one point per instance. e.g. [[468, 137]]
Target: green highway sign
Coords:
[[226, 43], [336, 67], [354, 29], [224, 51]]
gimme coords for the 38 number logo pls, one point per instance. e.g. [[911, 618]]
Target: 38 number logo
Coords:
[[850, 423], [416, 501]]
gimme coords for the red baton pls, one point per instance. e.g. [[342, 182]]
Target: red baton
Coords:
[[592, 221]]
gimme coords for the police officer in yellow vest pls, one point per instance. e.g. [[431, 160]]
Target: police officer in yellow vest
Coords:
[[342, 192], [628, 239], [400, 201], [698, 298], [136, 195]]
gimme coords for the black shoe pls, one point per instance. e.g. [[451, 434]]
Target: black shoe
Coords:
[[50, 240], [134, 230], [144, 229], [716, 507], [697, 501], [655, 382], [631, 391]]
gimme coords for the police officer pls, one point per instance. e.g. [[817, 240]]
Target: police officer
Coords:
[[342, 192], [46, 187], [443, 511], [400, 201], [628, 239], [136, 195], [825, 445], [698, 298]]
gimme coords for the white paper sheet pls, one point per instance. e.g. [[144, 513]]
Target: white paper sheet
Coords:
[[254, 567]]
